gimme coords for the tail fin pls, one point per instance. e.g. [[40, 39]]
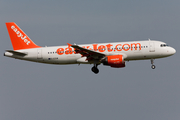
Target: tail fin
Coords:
[[18, 38]]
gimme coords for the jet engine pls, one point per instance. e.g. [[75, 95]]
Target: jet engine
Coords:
[[115, 61]]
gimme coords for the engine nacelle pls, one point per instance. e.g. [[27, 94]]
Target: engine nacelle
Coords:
[[115, 61]]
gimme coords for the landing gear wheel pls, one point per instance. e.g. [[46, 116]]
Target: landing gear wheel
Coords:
[[152, 62], [95, 70], [153, 66]]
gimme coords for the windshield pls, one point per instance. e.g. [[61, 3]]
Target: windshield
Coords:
[[163, 45]]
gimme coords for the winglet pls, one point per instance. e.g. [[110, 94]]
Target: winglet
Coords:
[[69, 45]]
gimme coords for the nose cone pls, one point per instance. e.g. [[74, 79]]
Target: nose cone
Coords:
[[172, 51]]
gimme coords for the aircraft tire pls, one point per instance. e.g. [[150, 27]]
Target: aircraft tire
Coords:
[[95, 70], [153, 66]]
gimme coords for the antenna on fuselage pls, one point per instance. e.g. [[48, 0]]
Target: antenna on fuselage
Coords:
[[149, 39]]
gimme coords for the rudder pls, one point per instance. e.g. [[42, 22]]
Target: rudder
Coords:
[[18, 38]]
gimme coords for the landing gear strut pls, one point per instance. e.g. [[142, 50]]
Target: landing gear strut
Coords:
[[152, 62], [95, 69]]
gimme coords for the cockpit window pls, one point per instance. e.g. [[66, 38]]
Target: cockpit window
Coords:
[[163, 45]]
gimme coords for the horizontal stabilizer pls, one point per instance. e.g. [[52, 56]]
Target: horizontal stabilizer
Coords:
[[16, 53]]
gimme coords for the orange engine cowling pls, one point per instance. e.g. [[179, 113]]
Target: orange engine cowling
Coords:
[[115, 61]]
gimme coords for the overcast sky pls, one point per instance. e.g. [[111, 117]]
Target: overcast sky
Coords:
[[36, 91]]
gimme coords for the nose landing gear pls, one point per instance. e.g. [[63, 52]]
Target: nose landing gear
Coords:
[[152, 62], [153, 66]]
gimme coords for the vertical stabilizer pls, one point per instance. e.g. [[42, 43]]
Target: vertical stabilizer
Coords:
[[18, 38]]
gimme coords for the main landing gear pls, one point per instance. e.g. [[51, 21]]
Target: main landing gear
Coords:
[[95, 69], [152, 62]]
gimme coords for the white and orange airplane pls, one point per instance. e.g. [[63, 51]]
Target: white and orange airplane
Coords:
[[110, 54]]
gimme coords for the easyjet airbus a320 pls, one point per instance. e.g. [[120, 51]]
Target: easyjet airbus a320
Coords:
[[110, 54]]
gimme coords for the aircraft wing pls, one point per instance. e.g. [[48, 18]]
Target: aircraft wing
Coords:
[[91, 55]]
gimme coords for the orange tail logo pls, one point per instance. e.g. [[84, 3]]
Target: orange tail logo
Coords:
[[18, 38]]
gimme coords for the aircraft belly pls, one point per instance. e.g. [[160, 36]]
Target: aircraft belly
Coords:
[[134, 55], [64, 59]]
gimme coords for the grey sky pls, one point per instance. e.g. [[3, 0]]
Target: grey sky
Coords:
[[35, 91]]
